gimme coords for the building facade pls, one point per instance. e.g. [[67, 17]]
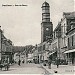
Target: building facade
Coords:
[[70, 52], [0, 43], [54, 51], [35, 55], [60, 42], [63, 39], [6, 47]]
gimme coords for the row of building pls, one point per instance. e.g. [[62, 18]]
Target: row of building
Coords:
[[58, 43], [23, 53], [6, 49]]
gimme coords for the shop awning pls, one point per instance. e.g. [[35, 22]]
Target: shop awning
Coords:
[[69, 51], [52, 53]]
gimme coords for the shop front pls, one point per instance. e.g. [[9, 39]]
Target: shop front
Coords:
[[7, 57], [53, 56], [70, 56]]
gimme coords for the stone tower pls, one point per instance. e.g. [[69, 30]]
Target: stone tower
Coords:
[[46, 25]]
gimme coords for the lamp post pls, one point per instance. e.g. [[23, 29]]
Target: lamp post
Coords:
[[58, 34], [19, 59]]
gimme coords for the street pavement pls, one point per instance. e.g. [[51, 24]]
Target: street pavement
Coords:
[[29, 68], [63, 69]]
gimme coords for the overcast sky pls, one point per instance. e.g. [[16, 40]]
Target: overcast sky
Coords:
[[22, 24]]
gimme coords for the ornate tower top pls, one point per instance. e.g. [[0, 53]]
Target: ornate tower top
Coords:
[[45, 4], [45, 12]]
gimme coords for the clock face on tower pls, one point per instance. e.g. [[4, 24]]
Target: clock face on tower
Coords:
[[47, 29]]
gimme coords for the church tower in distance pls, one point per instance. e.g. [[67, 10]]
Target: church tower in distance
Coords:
[[46, 25]]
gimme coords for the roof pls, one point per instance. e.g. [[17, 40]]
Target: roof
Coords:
[[70, 31], [45, 4], [69, 15], [58, 26]]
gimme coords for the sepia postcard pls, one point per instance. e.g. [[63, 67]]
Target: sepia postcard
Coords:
[[37, 37]]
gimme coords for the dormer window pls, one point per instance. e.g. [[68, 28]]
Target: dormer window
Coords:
[[72, 26]]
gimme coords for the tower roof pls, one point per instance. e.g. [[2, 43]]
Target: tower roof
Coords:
[[45, 4]]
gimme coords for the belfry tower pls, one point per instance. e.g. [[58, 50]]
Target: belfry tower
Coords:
[[46, 25]]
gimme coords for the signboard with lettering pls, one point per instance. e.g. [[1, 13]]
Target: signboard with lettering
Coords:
[[6, 53]]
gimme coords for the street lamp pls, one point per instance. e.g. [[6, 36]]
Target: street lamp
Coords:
[[19, 59], [58, 35]]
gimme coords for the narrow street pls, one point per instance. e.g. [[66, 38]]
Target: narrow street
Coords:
[[37, 37], [25, 69]]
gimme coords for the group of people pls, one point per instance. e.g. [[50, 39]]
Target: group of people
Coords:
[[50, 62]]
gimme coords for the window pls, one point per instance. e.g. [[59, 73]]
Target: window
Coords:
[[70, 41], [73, 40], [72, 26], [64, 28], [43, 47], [55, 34]]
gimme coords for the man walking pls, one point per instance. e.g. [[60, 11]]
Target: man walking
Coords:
[[19, 62], [57, 62], [49, 63]]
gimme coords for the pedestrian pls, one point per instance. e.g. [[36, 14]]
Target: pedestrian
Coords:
[[49, 63], [57, 62], [7, 66], [19, 62]]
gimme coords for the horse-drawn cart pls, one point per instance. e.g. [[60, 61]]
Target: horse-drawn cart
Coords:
[[6, 66]]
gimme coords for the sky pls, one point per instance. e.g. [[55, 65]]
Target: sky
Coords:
[[22, 24]]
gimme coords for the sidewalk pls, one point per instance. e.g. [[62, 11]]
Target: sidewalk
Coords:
[[63, 69]]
